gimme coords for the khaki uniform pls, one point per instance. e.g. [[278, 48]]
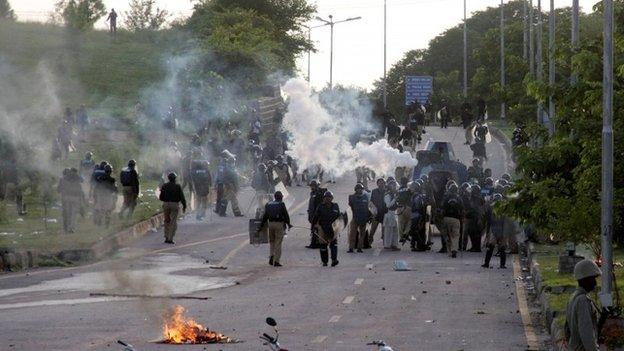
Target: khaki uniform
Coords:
[[230, 195], [451, 229], [357, 232], [581, 322], [171, 210], [276, 236], [404, 214]]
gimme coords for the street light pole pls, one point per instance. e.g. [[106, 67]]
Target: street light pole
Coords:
[[606, 220], [551, 65], [531, 39], [502, 57], [540, 66], [575, 36], [385, 86], [525, 32], [465, 54], [331, 24]]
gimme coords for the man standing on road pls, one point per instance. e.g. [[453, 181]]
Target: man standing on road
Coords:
[[129, 178], [171, 195], [475, 212], [377, 199], [276, 214], [105, 197], [201, 181], [316, 198], [361, 215], [467, 117], [404, 210], [452, 211], [581, 328], [322, 222], [418, 216], [497, 227]]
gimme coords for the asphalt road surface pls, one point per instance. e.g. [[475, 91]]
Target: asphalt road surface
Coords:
[[441, 304]]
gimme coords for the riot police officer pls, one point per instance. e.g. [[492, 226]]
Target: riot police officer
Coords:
[[201, 181], [322, 222], [129, 178], [316, 198], [418, 217], [276, 215], [361, 215]]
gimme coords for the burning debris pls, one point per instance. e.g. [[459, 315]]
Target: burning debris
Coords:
[[180, 330]]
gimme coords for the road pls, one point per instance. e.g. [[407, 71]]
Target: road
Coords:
[[441, 304]]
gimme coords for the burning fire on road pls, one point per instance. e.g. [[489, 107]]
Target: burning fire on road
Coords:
[[180, 330]]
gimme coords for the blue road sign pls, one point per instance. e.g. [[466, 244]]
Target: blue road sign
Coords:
[[418, 88]]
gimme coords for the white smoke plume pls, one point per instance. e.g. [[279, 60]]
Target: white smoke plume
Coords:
[[320, 136]]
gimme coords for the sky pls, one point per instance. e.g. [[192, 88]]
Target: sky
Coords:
[[358, 45]]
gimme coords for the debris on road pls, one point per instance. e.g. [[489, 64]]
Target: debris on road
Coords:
[[141, 296], [400, 266]]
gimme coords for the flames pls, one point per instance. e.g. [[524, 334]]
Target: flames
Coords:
[[180, 330]]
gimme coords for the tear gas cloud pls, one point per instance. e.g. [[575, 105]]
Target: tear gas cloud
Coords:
[[322, 132]]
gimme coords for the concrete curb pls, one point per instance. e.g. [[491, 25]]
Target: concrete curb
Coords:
[[507, 146], [555, 331], [25, 259]]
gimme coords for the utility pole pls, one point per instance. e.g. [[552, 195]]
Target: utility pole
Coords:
[[531, 39], [540, 66], [502, 57], [575, 36], [331, 24], [465, 54], [606, 220], [310, 40], [551, 65], [385, 84], [525, 32]]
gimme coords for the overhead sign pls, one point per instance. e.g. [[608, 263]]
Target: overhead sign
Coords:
[[418, 88]]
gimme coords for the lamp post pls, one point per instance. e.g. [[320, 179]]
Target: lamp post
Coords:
[[309, 40], [575, 36], [385, 85], [502, 57], [465, 54], [551, 65], [331, 24]]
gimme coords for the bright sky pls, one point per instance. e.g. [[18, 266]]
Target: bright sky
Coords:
[[358, 45]]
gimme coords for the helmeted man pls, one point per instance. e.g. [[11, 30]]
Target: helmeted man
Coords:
[[475, 213], [358, 203], [87, 165], [201, 181], [404, 210], [105, 193], [171, 195], [129, 178], [452, 210], [322, 222], [418, 217], [316, 198], [497, 229], [377, 200], [72, 197], [276, 215], [582, 325], [227, 185]]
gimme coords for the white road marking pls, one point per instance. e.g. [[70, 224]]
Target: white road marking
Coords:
[[334, 319], [358, 281], [231, 254], [348, 300], [319, 339], [369, 266]]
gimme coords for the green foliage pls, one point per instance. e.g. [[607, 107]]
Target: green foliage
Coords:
[[144, 15], [80, 14], [6, 12], [4, 215]]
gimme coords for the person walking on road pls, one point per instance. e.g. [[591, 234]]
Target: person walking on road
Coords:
[[201, 182], [390, 222], [358, 203], [316, 198], [582, 326], [105, 194], [452, 210], [497, 227], [171, 195], [129, 178], [377, 200], [276, 215], [323, 223]]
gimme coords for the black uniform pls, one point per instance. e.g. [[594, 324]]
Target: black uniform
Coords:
[[316, 198], [324, 216]]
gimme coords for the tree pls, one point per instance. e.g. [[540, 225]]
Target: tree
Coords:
[[143, 15], [80, 14], [6, 12]]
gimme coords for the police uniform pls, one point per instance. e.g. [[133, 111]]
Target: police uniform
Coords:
[[417, 222], [452, 209], [276, 215], [323, 220], [129, 179], [201, 181], [361, 215], [171, 195]]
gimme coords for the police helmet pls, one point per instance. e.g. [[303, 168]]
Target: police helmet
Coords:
[[497, 197], [506, 177], [131, 163], [88, 155], [262, 167], [358, 186], [172, 176], [465, 185], [420, 182], [414, 186], [489, 181], [475, 189], [108, 169], [278, 196], [424, 178], [103, 164], [502, 182], [314, 183], [381, 180], [449, 183], [452, 188], [476, 162], [328, 194]]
